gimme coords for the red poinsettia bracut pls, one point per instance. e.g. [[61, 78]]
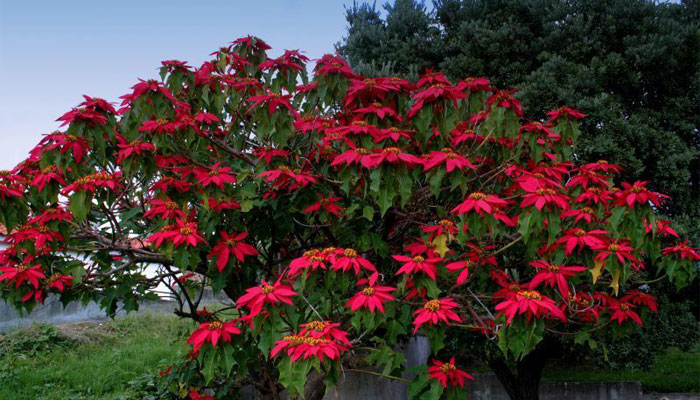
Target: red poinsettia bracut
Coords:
[[231, 244], [256, 297], [435, 311], [212, 333], [447, 372]]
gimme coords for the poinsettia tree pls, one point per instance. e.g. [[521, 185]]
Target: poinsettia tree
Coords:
[[342, 215]]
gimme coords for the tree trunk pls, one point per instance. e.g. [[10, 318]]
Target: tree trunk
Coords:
[[526, 384]]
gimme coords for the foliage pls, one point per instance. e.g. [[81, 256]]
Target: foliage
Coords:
[[631, 65], [340, 213]]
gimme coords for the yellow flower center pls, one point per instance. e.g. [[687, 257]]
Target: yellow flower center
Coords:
[[530, 295], [447, 367], [317, 326], [580, 232], [215, 325], [477, 196], [368, 291], [418, 259], [267, 289], [432, 305], [614, 247], [350, 253]]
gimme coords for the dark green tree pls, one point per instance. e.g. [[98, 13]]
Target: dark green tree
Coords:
[[632, 65]]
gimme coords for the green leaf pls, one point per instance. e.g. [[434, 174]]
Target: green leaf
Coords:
[[80, 205], [368, 212], [434, 392]]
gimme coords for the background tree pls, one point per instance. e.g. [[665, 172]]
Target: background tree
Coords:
[[632, 66], [342, 215]]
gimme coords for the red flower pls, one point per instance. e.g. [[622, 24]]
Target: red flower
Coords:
[[311, 260], [166, 209], [22, 273], [90, 183], [135, 147], [286, 177], [83, 114], [615, 248], [637, 193], [682, 250], [417, 264], [216, 175], [369, 90], [481, 203], [545, 196], [346, 259], [435, 311], [320, 339], [474, 84], [59, 282], [77, 145], [46, 175], [553, 274], [444, 227], [392, 155], [586, 213], [272, 100], [565, 112], [578, 237], [51, 214], [531, 303], [378, 109], [352, 156], [40, 235], [231, 244], [450, 158], [444, 371], [622, 311], [463, 267], [211, 332], [143, 87], [371, 298], [437, 91], [329, 204], [637, 297], [266, 153], [158, 126], [504, 98], [663, 227], [194, 395], [258, 296], [180, 233], [330, 64]]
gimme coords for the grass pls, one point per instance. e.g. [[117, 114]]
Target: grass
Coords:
[[676, 371], [100, 361], [87, 361]]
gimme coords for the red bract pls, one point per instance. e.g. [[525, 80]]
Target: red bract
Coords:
[[212, 332], [90, 183], [578, 237], [59, 282], [258, 296], [216, 175], [531, 303], [542, 197], [474, 84], [444, 227], [348, 259], [619, 249], [311, 260], [391, 155], [450, 158], [417, 264], [231, 244], [284, 177], [565, 112], [158, 126], [435, 311], [144, 87], [328, 204], [437, 91], [682, 251], [78, 146], [273, 100], [504, 98], [371, 298], [180, 233], [128, 149], [46, 175], [22, 273], [445, 372], [481, 203], [166, 209], [637, 193], [463, 267], [320, 339], [83, 115], [553, 274], [622, 311]]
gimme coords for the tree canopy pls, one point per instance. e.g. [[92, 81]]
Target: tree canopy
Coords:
[[632, 66]]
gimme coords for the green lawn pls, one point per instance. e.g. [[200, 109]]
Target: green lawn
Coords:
[[675, 371], [87, 361], [90, 361]]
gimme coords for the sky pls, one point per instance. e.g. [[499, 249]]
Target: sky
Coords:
[[52, 52]]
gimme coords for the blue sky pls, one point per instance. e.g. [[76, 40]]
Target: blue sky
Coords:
[[52, 52]]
